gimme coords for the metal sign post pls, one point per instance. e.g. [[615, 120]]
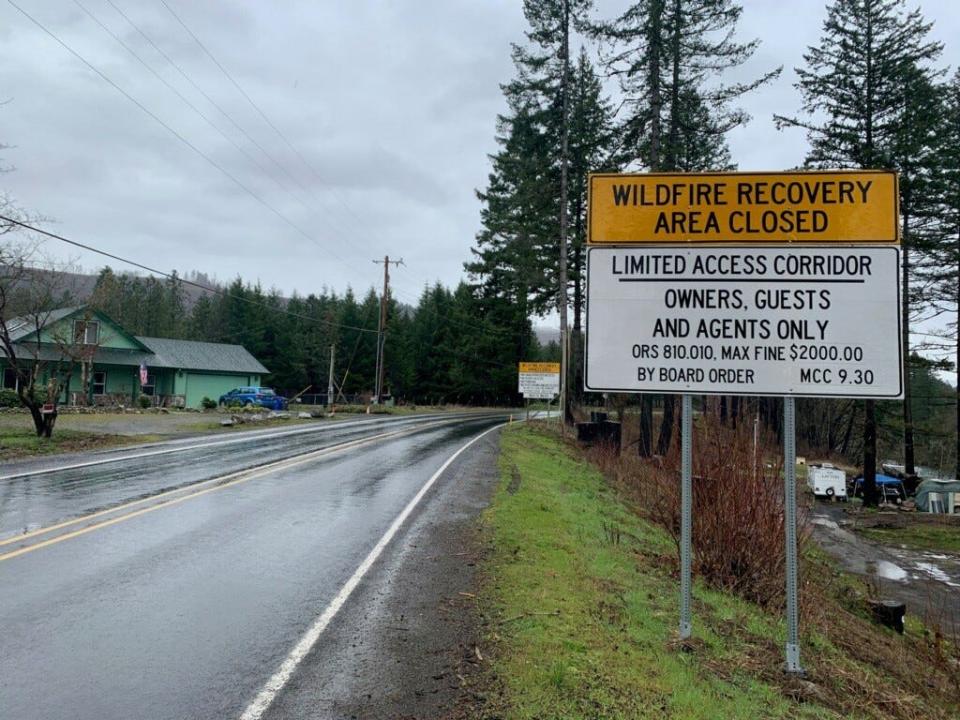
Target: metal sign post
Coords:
[[790, 529], [686, 514]]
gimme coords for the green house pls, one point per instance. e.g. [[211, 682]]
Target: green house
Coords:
[[179, 373]]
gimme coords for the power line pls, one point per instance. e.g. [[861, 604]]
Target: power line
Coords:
[[175, 91], [174, 132], [229, 117], [209, 99], [227, 294], [193, 107], [259, 111], [170, 276]]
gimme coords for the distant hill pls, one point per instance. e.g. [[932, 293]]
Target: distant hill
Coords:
[[546, 334], [80, 285]]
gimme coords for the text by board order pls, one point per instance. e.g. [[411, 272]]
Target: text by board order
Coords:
[[737, 265]]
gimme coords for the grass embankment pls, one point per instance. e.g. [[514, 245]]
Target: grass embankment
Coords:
[[581, 598], [22, 442]]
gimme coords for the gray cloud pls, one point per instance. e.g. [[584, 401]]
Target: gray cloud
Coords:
[[392, 104]]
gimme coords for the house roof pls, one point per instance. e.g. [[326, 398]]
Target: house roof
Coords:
[[194, 355], [21, 327], [154, 352]]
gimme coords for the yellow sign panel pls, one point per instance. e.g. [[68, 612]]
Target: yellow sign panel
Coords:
[[540, 367], [833, 206]]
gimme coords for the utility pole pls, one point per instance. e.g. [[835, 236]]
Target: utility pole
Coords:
[[564, 160], [382, 326], [330, 379]]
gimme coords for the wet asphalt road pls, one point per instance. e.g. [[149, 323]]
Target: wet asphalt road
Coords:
[[32, 495], [184, 609]]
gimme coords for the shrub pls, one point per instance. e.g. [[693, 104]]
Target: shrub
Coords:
[[207, 403], [738, 532], [234, 404], [9, 398], [145, 401]]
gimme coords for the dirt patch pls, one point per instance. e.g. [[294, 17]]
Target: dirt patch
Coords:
[[928, 582]]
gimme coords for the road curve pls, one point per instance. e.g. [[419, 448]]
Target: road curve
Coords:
[[37, 493], [186, 605]]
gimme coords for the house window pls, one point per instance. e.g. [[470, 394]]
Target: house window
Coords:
[[86, 332], [147, 388], [9, 379], [99, 383]]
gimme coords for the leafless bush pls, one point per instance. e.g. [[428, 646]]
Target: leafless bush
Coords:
[[738, 531]]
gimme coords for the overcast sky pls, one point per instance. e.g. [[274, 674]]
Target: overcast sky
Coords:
[[386, 111]]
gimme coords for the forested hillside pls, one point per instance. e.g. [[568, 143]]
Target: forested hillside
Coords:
[[455, 346]]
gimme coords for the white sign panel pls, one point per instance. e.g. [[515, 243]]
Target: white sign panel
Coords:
[[540, 385], [803, 321]]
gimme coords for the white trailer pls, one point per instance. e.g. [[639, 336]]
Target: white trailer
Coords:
[[827, 481]]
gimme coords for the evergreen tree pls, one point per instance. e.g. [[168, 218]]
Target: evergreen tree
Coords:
[[515, 255], [666, 55], [940, 270], [543, 81], [866, 89], [591, 139]]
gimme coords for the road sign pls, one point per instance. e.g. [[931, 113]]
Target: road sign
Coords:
[[802, 321], [741, 208], [539, 380]]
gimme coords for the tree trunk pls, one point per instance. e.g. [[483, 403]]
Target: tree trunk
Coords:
[[908, 456], [870, 453], [656, 17], [38, 421], [666, 425], [644, 447], [578, 262], [845, 445], [564, 151]]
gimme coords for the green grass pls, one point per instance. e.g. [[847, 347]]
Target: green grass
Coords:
[[584, 620], [919, 536], [22, 442]]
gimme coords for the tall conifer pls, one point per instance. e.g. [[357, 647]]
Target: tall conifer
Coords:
[[866, 102]]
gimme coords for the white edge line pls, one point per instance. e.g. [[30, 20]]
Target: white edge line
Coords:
[[281, 677], [200, 446]]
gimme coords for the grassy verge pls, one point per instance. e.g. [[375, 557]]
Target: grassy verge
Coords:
[[938, 538], [580, 596], [20, 442]]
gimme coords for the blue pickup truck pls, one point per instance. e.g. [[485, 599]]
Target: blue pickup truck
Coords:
[[263, 396]]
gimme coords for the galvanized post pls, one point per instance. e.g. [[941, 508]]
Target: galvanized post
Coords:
[[790, 526], [686, 514]]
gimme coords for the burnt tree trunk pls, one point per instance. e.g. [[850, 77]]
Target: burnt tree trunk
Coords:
[[870, 454], [666, 425]]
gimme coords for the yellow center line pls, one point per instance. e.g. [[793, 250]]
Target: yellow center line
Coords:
[[240, 477]]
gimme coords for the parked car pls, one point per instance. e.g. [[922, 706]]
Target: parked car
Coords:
[[263, 396], [890, 489]]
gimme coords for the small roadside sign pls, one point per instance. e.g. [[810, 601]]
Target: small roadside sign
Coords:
[[801, 321], [742, 208], [539, 380]]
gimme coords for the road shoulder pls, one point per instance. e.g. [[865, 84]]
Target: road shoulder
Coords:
[[405, 646]]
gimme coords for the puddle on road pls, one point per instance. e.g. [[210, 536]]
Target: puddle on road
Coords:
[[824, 522], [935, 572], [886, 570]]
